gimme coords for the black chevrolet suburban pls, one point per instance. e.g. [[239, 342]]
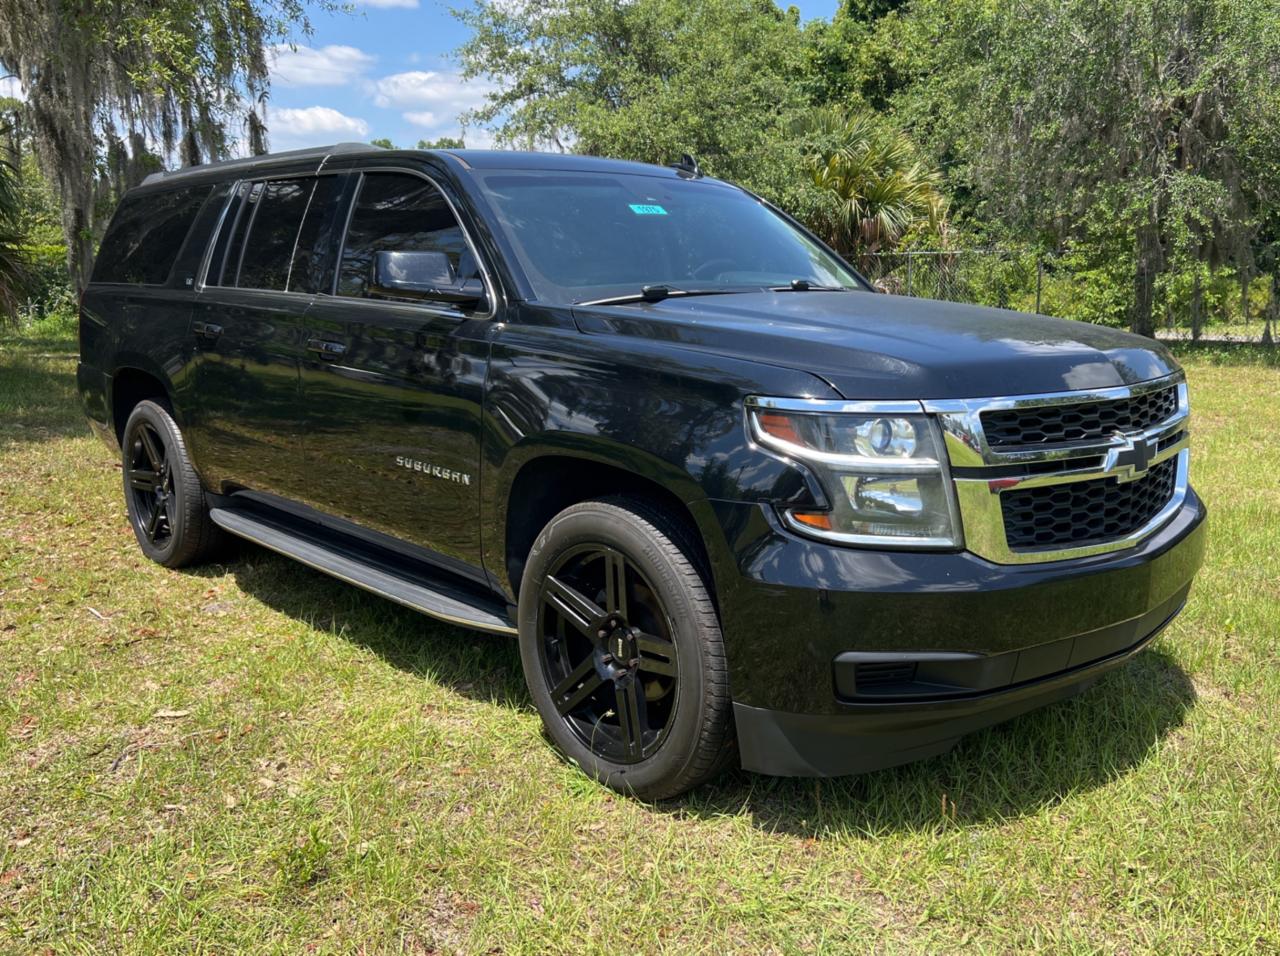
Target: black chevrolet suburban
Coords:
[[736, 504]]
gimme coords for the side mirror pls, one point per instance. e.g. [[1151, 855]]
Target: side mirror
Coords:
[[422, 275]]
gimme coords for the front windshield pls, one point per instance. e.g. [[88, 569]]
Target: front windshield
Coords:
[[583, 236]]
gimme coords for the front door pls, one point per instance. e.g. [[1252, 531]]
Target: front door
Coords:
[[393, 386]]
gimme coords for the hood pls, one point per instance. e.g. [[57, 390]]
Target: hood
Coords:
[[873, 346]]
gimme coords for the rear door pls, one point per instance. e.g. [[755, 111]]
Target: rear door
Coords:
[[393, 386], [247, 325], [138, 304]]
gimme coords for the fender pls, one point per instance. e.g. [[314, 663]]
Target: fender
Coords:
[[670, 418]]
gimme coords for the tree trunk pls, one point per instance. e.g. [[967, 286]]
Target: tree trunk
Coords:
[[1147, 267], [1272, 308], [1245, 279], [1197, 309]]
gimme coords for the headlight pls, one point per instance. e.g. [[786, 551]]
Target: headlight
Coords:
[[880, 464]]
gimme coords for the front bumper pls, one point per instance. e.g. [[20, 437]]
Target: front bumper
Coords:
[[844, 661]]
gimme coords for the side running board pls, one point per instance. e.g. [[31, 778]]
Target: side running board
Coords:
[[407, 583]]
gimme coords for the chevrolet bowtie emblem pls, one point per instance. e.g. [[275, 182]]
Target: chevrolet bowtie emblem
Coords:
[[1130, 460]]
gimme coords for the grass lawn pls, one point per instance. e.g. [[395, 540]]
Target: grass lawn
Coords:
[[251, 756]]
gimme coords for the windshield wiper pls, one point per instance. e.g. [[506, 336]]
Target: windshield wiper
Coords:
[[656, 293], [804, 285]]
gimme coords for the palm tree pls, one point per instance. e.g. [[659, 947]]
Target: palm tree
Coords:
[[15, 263], [877, 187]]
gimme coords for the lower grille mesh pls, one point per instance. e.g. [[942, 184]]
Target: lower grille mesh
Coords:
[[1082, 512]]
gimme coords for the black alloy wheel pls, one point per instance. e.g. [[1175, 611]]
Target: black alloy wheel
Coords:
[[150, 479], [622, 650], [607, 653], [166, 502]]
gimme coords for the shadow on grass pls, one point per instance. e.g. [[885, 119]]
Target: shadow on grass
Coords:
[[38, 400], [1011, 770], [482, 666]]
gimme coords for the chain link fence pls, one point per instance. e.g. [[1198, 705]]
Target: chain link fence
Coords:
[[1030, 281]]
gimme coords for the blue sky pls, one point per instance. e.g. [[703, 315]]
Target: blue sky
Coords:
[[384, 71]]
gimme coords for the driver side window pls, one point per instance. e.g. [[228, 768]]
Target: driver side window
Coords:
[[398, 212]]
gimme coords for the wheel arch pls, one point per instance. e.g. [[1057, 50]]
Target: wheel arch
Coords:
[[131, 384], [550, 480]]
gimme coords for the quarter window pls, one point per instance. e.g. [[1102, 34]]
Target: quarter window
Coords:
[[399, 213], [146, 234]]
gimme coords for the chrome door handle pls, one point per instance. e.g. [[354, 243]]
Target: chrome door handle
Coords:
[[326, 350], [206, 330]]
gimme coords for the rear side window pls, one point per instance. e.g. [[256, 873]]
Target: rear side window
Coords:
[[273, 235], [399, 212], [146, 234]]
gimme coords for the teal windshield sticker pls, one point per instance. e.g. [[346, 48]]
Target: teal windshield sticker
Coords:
[[640, 209]]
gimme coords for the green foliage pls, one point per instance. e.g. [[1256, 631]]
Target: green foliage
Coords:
[[15, 261], [648, 80], [444, 142], [862, 58], [104, 79], [876, 188], [382, 141], [1165, 115]]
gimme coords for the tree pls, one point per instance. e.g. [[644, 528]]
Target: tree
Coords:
[[15, 263], [877, 187], [444, 142], [382, 141], [1163, 114], [107, 84], [647, 80]]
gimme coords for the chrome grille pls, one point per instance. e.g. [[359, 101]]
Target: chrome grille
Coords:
[[1080, 512], [1055, 424], [1070, 474]]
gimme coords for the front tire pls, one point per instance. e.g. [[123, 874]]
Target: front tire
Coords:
[[162, 492], [622, 649]]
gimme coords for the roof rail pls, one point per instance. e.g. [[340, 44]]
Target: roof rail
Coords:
[[319, 152]]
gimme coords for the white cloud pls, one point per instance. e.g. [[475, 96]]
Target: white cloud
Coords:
[[431, 89], [10, 87], [312, 126], [333, 65], [423, 118], [388, 4]]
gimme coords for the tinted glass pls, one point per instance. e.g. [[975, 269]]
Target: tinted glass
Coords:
[[310, 237], [229, 224], [146, 234], [591, 235], [235, 229], [268, 250], [399, 213]]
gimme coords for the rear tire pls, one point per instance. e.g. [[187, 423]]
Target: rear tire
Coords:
[[162, 492], [622, 650]]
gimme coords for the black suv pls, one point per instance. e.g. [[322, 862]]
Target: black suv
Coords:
[[736, 504]]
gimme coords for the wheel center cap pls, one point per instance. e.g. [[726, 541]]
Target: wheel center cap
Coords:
[[621, 646]]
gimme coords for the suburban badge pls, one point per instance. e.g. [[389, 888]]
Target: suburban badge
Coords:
[[433, 471]]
